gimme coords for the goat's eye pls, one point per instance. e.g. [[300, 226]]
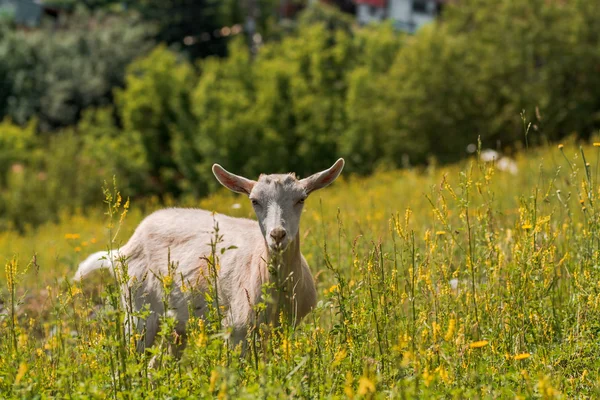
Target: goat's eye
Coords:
[[254, 202], [301, 201]]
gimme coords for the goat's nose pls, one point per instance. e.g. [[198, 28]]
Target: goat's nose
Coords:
[[278, 234]]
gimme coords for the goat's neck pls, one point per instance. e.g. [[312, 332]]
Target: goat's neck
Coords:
[[285, 273], [288, 261]]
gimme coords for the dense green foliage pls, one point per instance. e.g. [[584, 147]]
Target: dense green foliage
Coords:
[[156, 106], [66, 173], [324, 89], [460, 282], [193, 27], [288, 102], [377, 97], [54, 73]]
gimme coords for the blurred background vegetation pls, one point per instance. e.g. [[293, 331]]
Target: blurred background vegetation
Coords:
[[156, 91]]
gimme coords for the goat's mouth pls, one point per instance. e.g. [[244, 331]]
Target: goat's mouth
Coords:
[[278, 247]]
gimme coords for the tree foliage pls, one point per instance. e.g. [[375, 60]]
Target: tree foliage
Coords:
[[328, 88], [53, 74]]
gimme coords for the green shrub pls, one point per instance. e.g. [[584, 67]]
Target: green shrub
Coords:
[[328, 88], [369, 137], [155, 105], [53, 74], [373, 95], [223, 104], [56, 180], [65, 172], [280, 111], [111, 151], [16, 144]]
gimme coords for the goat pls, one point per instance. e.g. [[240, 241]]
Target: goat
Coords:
[[183, 237]]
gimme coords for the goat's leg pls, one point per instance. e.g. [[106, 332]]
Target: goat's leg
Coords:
[[238, 336], [148, 328], [238, 321], [176, 346]]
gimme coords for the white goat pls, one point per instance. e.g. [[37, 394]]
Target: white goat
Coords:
[[184, 236]]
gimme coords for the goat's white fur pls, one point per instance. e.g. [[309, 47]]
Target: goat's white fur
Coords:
[[184, 236]]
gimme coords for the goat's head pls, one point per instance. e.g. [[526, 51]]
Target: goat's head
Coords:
[[278, 199]]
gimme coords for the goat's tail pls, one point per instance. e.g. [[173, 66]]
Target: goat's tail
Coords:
[[99, 260]]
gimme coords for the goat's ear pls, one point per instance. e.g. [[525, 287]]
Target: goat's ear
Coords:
[[323, 178], [236, 183]]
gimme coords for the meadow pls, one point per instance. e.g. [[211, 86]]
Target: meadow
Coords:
[[461, 281]]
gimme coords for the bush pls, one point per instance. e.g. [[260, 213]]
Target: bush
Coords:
[[472, 74], [111, 151], [376, 97], [372, 95], [16, 144], [54, 74], [287, 103], [56, 180], [547, 57], [155, 105], [65, 172], [369, 138]]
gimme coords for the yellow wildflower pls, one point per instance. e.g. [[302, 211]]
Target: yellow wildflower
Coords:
[[406, 359], [201, 340], [72, 236], [348, 387], [596, 144], [443, 374], [339, 357], [522, 356], [11, 272], [222, 391], [584, 374], [440, 233], [21, 373], [478, 344], [365, 385], [560, 146], [213, 379], [427, 377], [167, 281], [450, 332], [436, 330], [22, 340]]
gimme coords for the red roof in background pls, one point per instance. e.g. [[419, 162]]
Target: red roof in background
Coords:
[[374, 3]]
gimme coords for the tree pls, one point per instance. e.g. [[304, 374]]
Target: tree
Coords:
[[55, 74], [155, 104]]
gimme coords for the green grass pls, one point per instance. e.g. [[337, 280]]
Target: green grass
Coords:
[[455, 282]]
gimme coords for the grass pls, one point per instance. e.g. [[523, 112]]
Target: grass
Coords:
[[455, 282]]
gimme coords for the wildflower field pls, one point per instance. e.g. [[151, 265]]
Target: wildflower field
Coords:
[[456, 282]]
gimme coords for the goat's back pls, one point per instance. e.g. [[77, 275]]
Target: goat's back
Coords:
[[184, 236]]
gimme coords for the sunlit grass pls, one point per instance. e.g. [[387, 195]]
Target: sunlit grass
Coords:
[[463, 281]]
